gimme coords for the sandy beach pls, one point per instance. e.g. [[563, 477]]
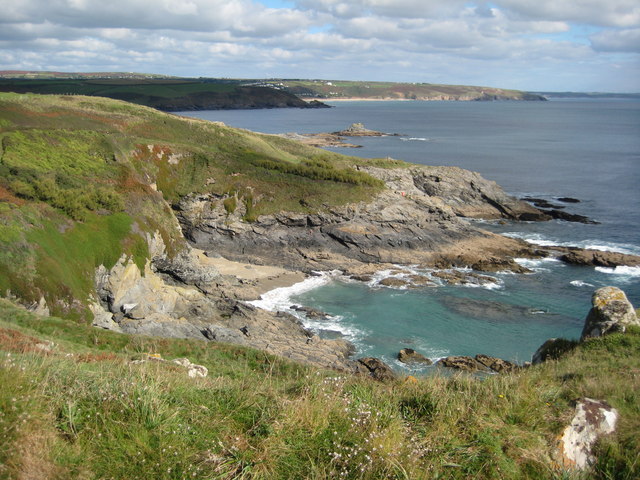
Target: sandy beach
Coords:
[[256, 279]]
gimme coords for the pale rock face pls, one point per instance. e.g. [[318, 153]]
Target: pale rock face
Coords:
[[611, 312], [193, 370], [592, 420]]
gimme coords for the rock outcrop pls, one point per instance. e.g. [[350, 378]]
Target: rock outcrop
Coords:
[[461, 362], [190, 303], [591, 421], [611, 312], [416, 220], [498, 365], [598, 258], [552, 349], [375, 368]]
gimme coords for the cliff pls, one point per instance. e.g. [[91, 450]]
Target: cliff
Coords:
[[96, 198]]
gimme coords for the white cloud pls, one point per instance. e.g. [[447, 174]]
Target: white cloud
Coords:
[[458, 41]]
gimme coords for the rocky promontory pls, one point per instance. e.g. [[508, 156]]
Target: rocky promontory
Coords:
[[416, 219]]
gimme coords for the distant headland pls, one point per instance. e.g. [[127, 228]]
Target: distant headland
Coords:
[[175, 94]]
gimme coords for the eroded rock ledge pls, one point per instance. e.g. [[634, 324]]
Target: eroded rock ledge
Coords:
[[415, 221]]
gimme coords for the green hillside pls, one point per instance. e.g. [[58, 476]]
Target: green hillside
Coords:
[[84, 179]]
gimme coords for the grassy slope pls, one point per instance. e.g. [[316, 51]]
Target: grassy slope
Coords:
[[84, 411], [77, 177]]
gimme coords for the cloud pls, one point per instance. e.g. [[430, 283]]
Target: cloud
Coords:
[[458, 41], [617, 41]]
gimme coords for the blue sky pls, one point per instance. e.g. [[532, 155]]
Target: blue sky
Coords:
[[536, 45]]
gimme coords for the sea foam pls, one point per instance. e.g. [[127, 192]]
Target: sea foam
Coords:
[[590, 244], [279, 299]]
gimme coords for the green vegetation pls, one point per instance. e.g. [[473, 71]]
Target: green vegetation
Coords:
[[83, 410], [83, 180], [171, 94]]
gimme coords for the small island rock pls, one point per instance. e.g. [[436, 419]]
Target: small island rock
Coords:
[[409, 355]]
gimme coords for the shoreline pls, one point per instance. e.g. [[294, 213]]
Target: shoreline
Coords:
[[255, 279]]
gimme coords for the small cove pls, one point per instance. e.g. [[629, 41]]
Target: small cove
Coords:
[[589, 150]]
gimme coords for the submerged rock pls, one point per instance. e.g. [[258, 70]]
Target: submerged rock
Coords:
[[611, 312]]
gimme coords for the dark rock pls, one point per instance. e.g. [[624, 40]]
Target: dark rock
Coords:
[[409, 355], [538, 216], [310, 312], [497, 364], [552, 349], [362, 278], [377, 369], [599, 258], [570, 217], [611, 312], [541, 202], [460, 362], [499, 265], [568, 200]]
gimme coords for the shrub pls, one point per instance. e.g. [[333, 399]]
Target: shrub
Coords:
[[230, 204]]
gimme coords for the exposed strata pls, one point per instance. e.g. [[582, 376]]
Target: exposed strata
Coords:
[[418, 219], [415, 221]]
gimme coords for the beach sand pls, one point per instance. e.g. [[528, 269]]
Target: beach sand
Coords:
[[258, 278]]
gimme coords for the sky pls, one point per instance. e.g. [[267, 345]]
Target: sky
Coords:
[[534, 45]]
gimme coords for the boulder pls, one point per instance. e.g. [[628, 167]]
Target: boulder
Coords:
[[592, 420], [552, 349], [611, 312], [460, 362], [409, 355], [496, 364], [376, 368]]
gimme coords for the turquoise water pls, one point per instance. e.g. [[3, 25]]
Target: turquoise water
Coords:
[[584, 149]]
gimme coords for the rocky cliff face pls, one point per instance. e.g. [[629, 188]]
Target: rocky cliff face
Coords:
[[416, 220], [184, 299]]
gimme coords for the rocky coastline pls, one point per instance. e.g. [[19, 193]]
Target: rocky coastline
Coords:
[[337, 139], [421, 218]]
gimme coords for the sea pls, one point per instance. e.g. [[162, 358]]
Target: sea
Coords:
[[584, 149]]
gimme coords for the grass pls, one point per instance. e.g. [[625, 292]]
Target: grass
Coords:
[[94, 414], [78, 178]]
